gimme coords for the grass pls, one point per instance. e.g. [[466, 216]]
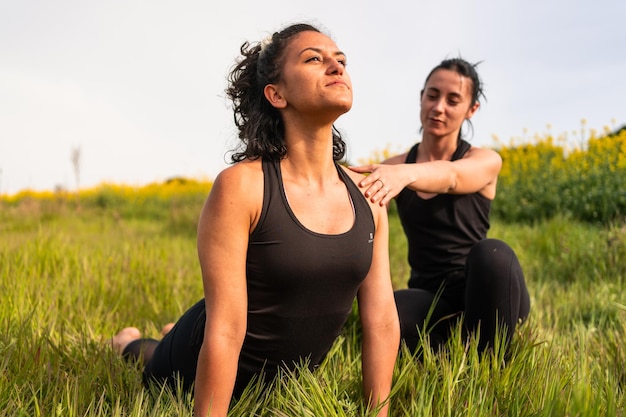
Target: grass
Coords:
[[71, 278]]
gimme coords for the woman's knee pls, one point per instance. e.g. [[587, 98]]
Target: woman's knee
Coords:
[[492, 259], [488, 249], [495, 279]]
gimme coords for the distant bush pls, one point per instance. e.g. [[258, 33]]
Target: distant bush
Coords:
[[547, 178], [176, 203], [542, 179]]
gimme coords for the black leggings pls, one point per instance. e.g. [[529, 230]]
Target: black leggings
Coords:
[[173, 359], [495, 298], [176, 355]]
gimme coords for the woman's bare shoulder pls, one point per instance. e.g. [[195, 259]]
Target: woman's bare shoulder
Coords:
[[241, 174], [354, 176], [357, 177], [240, 184], [236, 191]]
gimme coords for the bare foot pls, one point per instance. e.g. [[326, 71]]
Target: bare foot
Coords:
[[166, 329], [124, 337]]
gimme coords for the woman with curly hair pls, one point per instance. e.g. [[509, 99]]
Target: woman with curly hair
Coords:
[[286, 240]]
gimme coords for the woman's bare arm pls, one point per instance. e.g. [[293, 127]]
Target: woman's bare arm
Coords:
[[223, 232], [476, 172], [379, 318]]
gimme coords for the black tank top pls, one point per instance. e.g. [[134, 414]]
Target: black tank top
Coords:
[[441, 230], [301, 284]]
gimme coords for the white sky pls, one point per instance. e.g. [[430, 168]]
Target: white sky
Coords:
[[139, 85]]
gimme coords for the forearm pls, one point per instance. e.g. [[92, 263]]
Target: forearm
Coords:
[[215, 378], [380, 349], [387, 181], [432, 177]]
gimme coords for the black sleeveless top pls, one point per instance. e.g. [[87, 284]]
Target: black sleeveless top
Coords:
[[441, 231], [301, 284]]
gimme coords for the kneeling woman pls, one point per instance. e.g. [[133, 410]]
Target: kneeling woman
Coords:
[[443, 188]]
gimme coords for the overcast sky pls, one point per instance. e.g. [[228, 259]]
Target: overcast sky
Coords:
[[138, 86]]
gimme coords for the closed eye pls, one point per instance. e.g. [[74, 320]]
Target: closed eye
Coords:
[[454, 99]]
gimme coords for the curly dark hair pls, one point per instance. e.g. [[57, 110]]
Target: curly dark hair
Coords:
[[260, 125]]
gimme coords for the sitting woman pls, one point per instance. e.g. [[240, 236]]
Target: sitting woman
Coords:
[[443, 188]]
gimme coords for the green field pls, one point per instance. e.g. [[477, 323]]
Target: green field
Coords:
[[76, 267], [71, 276]]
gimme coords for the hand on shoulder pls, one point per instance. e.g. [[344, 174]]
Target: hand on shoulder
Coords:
[[377, 209]]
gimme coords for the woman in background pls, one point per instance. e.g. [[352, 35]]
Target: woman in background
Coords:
[[443, 188]]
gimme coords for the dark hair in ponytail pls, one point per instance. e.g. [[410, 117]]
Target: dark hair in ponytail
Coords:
[[464, 69]]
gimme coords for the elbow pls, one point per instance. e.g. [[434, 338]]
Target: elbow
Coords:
[[225, 332], [393, 330], [452, 182], [235, 336], [394, 333], [386, 332]]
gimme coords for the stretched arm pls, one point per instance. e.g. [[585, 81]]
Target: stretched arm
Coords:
[[477, 171], [223, 233], [379, 318]]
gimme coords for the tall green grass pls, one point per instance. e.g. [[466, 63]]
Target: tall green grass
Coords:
[[76, 267], [72, 275]]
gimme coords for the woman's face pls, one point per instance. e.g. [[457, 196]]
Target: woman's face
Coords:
[[446, 103], [314, 77]]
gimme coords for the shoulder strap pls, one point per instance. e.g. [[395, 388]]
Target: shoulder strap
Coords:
[[462, 147], [411, 157]]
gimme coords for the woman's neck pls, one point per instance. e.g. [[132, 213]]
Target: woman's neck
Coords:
[[437, 148], [309, 155]]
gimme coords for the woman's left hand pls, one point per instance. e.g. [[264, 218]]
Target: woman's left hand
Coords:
[[382, 184]]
